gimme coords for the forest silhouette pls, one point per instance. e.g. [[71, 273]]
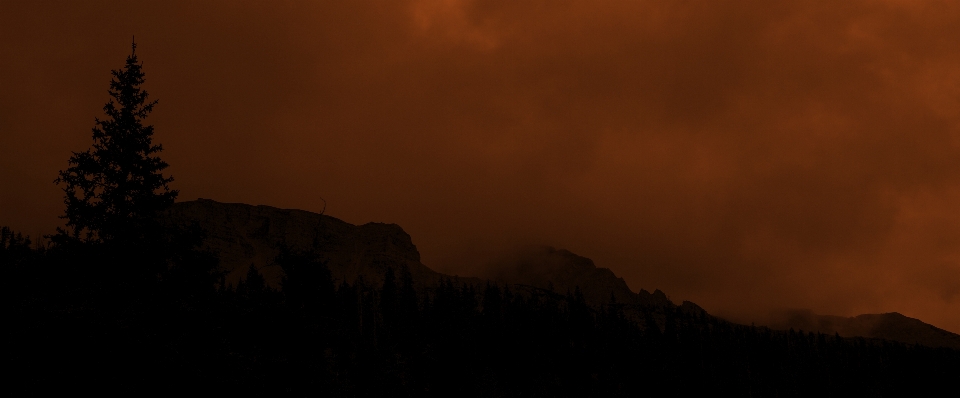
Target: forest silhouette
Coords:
[[121, 302]]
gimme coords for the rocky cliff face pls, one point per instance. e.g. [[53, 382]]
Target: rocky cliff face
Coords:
[[241, 234]]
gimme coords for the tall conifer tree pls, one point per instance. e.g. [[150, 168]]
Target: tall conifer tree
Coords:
[[114, 190]]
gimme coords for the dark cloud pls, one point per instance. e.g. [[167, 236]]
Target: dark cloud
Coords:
[[745, 156]]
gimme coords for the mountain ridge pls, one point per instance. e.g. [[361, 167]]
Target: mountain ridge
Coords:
[[241, 234], [888, 326]]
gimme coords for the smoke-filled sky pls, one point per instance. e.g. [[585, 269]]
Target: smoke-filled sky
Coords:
[[742, 155]]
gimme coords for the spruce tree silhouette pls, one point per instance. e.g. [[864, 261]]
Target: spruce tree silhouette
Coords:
[[114, 190]]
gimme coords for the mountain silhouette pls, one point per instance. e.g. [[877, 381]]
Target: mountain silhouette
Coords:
[[240, 235], [889, 326]]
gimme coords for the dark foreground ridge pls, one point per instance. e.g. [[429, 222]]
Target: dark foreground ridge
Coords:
[[256, 300]]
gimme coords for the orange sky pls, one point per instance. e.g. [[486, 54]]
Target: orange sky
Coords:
[[742, 155]]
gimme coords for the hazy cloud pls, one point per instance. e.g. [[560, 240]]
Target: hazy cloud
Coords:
[[744, 156]]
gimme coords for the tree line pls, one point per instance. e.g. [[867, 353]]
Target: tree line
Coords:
[[313, 335]]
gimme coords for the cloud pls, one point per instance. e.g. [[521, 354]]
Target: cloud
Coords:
[[744, 156]]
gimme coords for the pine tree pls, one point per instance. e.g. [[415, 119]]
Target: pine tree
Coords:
[[114, 190]]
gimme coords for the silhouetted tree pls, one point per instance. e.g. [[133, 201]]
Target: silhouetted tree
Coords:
[[389, 300], [491, 306], [306, 281], [12, 244], [408, 304], [253, 285], [114, 190]]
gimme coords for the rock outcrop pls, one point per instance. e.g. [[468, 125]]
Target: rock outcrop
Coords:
[[240, 235]]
